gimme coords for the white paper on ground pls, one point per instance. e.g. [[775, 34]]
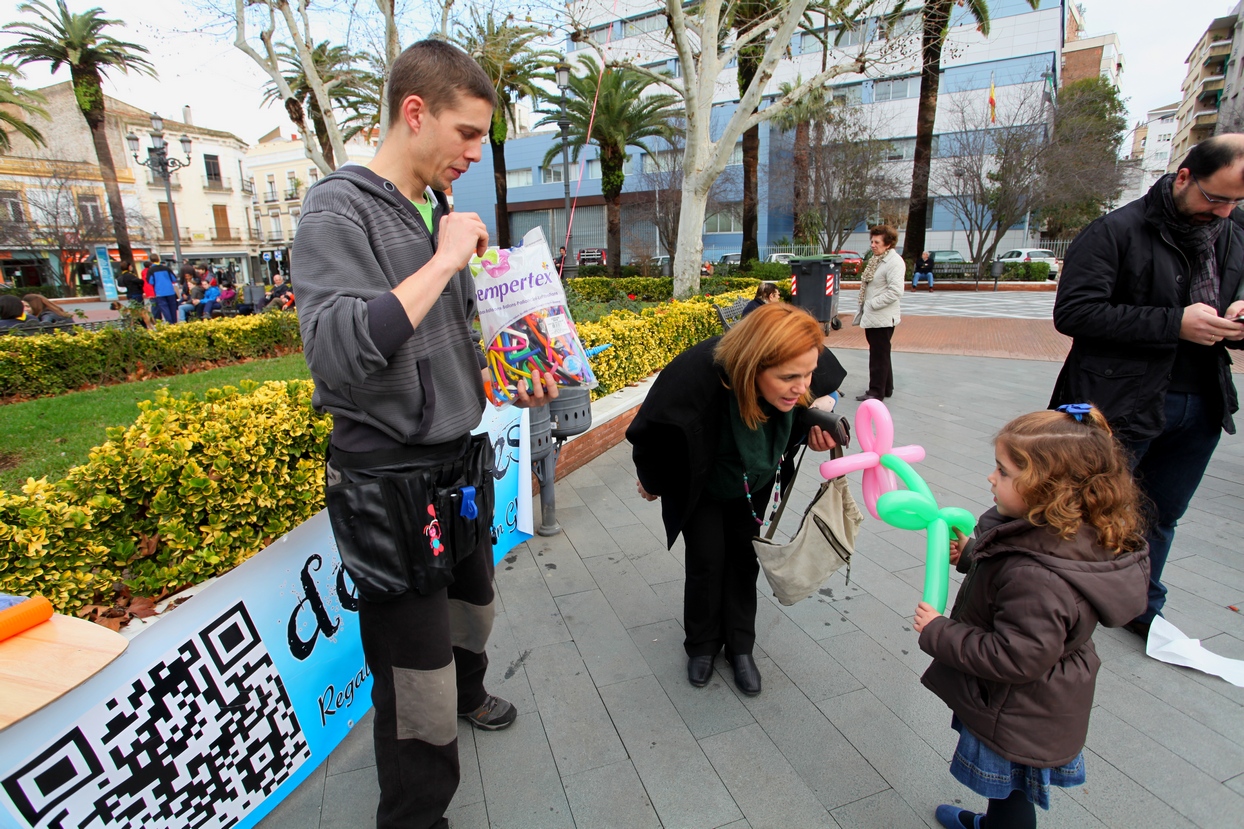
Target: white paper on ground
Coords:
[[1169, 644]]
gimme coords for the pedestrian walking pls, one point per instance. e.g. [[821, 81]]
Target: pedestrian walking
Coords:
[[881, 287]]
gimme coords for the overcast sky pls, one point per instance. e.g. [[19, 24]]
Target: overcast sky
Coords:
[[203, 69]]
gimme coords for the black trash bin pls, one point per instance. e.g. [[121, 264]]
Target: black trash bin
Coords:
[[815, 282]]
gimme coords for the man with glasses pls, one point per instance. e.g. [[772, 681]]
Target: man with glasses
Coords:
[[1150, 295]]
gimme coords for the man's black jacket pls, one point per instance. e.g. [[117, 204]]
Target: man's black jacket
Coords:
[[676, 433], [1121, 297]]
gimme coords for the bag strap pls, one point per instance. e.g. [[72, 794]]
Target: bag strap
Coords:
[[836, 452]]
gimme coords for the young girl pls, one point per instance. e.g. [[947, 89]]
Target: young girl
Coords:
[[1061, 551]]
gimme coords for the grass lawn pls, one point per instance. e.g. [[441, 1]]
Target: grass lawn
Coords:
[[49, 435]]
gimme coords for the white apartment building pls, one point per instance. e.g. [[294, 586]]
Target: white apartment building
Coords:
[[1151, 150], [278, 173]]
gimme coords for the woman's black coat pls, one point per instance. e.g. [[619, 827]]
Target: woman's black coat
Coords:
[[674, 437]]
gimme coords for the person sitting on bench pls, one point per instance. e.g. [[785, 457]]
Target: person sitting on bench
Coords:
[[924, 270]]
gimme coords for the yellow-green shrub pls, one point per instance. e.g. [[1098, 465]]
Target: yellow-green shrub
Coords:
[[193, 488], [56, 363]]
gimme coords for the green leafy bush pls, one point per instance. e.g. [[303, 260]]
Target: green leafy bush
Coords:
[[193, 488], [57, 363], [1026, 271]]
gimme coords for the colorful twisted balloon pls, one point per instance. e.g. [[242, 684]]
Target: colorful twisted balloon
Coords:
[[875, 430], [916, 509]]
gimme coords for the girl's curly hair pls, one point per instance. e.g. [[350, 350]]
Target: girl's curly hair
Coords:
[[1073, 472]]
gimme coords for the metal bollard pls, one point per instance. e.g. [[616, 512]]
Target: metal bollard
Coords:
[[570, 414]]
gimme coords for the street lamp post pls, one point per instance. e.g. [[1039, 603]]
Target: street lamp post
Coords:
[[563, 83], [161, 165]]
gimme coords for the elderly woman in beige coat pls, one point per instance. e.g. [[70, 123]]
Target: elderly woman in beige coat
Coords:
[[881, 286]]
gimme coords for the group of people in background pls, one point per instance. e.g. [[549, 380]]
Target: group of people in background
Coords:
[[195, 292]]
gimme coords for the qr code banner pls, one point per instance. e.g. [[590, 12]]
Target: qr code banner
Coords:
[[197, 739], [211, 716]]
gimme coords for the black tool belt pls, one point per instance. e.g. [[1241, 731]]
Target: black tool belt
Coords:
[[401, 529]]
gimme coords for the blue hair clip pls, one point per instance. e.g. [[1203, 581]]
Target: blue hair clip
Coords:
[[1076, 410]]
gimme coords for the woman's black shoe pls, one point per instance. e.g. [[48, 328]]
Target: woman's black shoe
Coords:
[[746, 674], [699, 669]]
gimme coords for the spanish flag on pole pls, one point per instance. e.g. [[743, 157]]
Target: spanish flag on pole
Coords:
[[993, 102]]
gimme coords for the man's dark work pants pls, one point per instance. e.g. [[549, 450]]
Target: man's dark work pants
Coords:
[[427, 658], [1168, 468]]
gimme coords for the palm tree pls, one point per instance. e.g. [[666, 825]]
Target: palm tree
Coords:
[[799, 117], [623, 117], [362, 101], [335, 66], [503, 50], [935, 28], [78, 41], [17, 105], [749, 14]]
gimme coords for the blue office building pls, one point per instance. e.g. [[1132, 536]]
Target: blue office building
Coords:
[[1021, 58]]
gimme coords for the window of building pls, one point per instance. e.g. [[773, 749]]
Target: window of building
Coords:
[[850, 95], [294, 215], [855, 35], [928, 213], [662, 161], [723, 223], [11, 207], [651, 23], [897, 89], [313, 174], [211, 166], [271, 187], [89, 209], [553, 173], [593, 168], [518, 178], [736, 156], [291, 184]]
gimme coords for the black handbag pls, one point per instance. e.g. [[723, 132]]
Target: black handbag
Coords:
[[407, 532]]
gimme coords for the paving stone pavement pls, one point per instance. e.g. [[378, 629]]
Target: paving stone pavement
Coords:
[[588, 638]]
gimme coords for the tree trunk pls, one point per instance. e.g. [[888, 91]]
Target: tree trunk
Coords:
[[321, 135], [751, 162], [90, 96], [936, 18], [613, 233], [502, 187], [690, 235]]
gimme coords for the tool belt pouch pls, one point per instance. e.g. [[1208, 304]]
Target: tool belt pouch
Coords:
[[407, 532]]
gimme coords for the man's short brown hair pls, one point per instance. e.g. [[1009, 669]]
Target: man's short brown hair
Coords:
[[439, 73]]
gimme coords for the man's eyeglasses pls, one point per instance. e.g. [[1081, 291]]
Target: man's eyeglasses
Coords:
[[1214, 199]]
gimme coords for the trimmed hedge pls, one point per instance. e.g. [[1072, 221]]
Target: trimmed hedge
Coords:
[[57, 363], [192, 489], [1026, 271], [650, 288]]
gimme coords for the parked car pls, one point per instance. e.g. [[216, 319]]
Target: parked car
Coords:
[[653, 265], [851, 262], [781, 258], [947, 257], [591, 256], [1032, 255], [730, 259]]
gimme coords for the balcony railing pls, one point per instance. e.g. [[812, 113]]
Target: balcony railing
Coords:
[[216, 184], [291, 193], [166, 234], [248, 187], [276, 235], [157, 181], [271, 196], [226, 234]]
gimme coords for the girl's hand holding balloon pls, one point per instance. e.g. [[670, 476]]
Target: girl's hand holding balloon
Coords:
[[956, 545], [925, 613]]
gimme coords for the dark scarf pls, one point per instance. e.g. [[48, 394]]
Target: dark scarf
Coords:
[[756, 452], [1197, 241]]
